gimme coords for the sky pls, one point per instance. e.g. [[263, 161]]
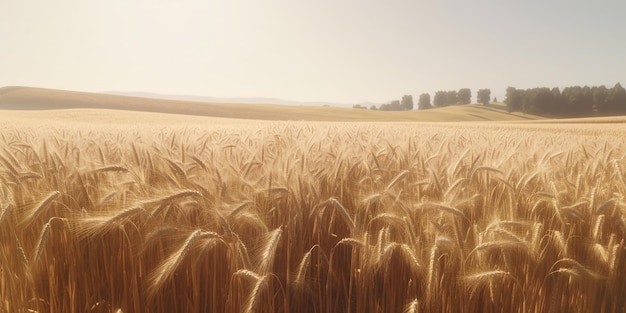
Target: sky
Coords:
[[342, 51]]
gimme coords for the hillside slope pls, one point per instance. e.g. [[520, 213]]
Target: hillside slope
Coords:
[[28, 98]]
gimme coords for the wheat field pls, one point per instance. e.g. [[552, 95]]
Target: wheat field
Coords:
[[312, 217]]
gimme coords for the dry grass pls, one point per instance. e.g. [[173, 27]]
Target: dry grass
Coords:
[[304, 217]]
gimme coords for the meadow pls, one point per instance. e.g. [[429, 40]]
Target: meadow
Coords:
[[215, 215]]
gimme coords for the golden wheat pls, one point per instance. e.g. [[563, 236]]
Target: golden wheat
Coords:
[[312, 217]]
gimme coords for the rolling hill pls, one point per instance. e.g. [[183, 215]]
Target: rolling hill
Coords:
[[29, 98]]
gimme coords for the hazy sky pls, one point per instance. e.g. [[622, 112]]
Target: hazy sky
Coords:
[[345, 51]]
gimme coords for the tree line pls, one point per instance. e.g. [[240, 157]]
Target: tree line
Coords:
[[572, 101], [441, 99]]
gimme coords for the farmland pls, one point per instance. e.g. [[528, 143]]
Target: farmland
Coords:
[[29, 98], [113, 211]]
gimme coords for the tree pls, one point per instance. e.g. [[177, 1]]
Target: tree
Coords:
[[373, 107], [600, 97], [483, 96], [537, 100], [579, 100], [514, 99], [441, 99], [464, 96], [407, 102], [559, 101], [452, 97], [395, 105], [586, 105], [424, 102], [617, 99]]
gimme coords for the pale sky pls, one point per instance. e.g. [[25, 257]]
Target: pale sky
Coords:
[[345, 51]]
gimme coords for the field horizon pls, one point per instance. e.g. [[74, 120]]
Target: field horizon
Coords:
[[32, 98]]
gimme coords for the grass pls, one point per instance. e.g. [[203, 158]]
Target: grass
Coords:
[[209, 215]]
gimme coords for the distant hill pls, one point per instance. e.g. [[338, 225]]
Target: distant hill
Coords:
[[247, 100], [29, 98]]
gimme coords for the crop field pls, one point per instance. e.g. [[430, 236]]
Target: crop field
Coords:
[[20, 98], [312, 217]]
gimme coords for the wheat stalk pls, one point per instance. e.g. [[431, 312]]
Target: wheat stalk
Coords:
[[266, 257]]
